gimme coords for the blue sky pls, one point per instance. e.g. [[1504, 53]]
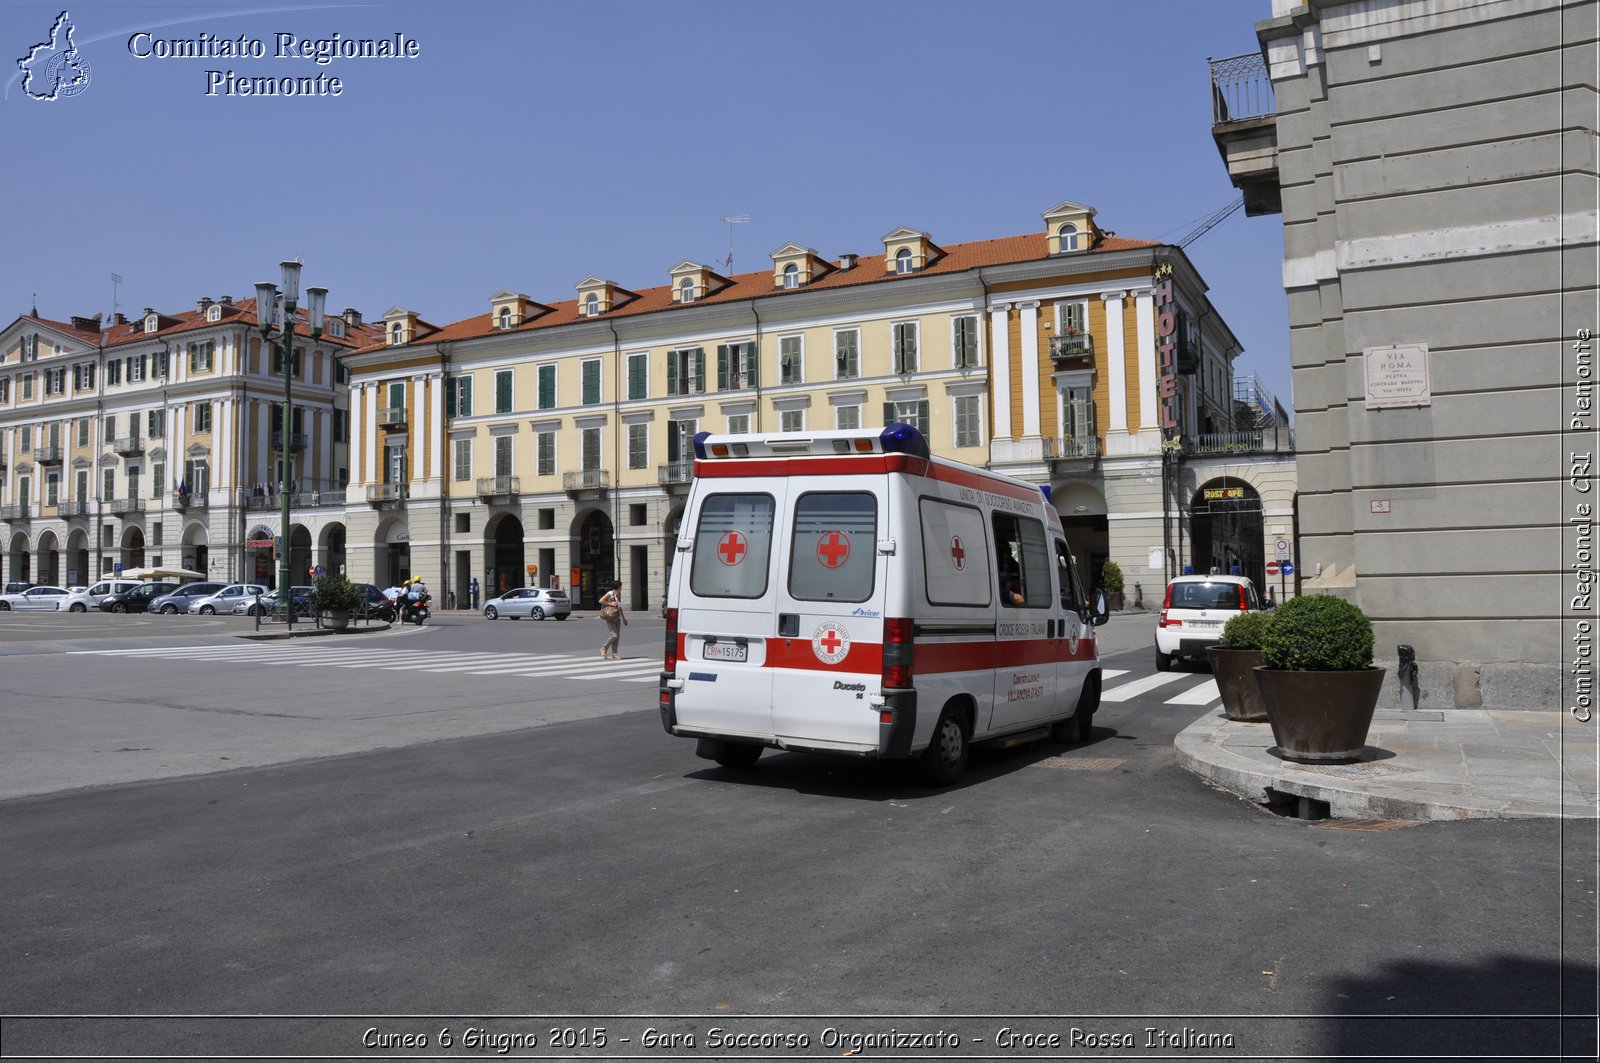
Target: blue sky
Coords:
[[531, 144]]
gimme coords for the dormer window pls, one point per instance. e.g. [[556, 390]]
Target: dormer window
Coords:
[[591, 305], [336, 327], [214, 312], [686, 290], [152, 323], [1070, 227], [902, 260], [791, 276], [1068, 236], [397, 334], [504, 320]]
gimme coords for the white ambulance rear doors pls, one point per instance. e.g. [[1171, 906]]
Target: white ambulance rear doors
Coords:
[[828, 657], [725, 584]]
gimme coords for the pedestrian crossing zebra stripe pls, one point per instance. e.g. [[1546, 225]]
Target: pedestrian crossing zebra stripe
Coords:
[[557, 665]]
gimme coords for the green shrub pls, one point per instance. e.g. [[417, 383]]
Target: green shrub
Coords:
[[333, 591], [1111, 577], [1246, 631], [1318, 633]]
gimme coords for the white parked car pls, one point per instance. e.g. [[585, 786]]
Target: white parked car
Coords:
[[224, 600], [1194, 612], [34, 598], [534, 602], [82, 599]]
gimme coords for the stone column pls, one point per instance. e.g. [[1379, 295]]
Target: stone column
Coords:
[[1115, 362], [1149, 368], [1000, 351], [1030, 368]]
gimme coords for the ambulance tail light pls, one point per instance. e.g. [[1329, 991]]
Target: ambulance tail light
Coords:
[[898, 653], [669, 657]]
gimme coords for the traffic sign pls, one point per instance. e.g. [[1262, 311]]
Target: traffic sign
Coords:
[[117, 568], [1282, 546], [1288, 568], [1272, 568]]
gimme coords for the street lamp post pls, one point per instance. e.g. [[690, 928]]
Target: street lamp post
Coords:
[[269, 297]]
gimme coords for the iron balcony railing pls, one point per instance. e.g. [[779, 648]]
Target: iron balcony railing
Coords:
[[126, 505], [74, 507], [586, 480], [297, 441], [490, 486], [16, 512], [189, 500], [1072, 447], [128, 446], [386, 492], [1241, 88], [1253, 441], [47, 455], [391, 415], [677, 472]]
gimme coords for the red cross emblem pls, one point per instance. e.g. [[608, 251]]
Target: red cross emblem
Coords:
[[831, 643], [958, 553], [833, 550], [731, 548]]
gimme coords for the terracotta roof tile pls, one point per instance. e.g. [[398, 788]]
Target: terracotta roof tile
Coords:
[[956, 258]]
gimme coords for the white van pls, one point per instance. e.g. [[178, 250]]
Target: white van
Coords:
[[845, 592], [82, 599]]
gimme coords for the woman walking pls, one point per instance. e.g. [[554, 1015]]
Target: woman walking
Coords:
[[611, 613]]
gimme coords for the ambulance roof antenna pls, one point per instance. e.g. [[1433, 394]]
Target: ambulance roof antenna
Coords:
[[732, 220]]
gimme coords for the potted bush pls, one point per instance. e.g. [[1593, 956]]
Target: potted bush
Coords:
[[1318, 682], [1234, 661], [336, 596], [1111, 583]]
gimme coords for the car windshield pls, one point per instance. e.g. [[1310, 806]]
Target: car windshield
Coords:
[[1205, 596]]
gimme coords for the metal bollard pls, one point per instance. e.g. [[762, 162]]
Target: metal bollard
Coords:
[[1407, 674], [1138, 596]]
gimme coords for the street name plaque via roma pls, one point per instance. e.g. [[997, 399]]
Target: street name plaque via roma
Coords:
[[1397, 376]]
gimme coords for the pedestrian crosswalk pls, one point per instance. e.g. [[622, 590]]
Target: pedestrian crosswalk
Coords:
[[1171, 688], [458, 662]]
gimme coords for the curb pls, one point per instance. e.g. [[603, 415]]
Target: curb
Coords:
[[312, 631]]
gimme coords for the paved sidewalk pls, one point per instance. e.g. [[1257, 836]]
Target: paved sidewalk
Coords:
[[1427, 765]]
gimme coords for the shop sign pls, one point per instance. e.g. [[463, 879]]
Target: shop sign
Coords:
[[1218, 494]]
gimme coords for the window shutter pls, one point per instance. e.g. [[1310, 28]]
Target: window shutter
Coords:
[[752, 366], [547, 387], [888, 414], [464, 397], [722, 367], [672, 372], [449, 397], [699, 369], [923, 420], [898, 365], [502, 392]]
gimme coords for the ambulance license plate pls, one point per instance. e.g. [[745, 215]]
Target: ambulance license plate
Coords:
[[726, 651]]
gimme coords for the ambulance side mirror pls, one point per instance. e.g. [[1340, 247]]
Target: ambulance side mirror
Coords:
[[1101, 614]]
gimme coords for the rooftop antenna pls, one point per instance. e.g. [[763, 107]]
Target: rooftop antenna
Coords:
[[116, 279], [732, 220]]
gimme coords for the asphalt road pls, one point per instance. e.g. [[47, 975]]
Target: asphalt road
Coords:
[[462, 846]]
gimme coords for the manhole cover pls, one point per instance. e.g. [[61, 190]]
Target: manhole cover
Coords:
[[1081, 763], [1366, 824]]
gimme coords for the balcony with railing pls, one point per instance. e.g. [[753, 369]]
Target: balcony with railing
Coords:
[[1252, 441], [20, 511], [499, 486], [119, 506], [128, 446], [380, 494], [586, 480], [391, 417], [1073, 450], [297, 441], [675, 474], [186, 500], [1244, 123], [47, 455], [74, 507], [303, 494], [1072, 350]]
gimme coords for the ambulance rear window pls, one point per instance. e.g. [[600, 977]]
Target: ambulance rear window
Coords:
[[835, 540], [732, 546]]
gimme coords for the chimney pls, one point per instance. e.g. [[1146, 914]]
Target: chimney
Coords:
[[119, 319], [204, 304], [352, 317], [225, 300], [87, 324], [847, 262]]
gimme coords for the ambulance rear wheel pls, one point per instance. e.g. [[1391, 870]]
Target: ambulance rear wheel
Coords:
[[946, 756]]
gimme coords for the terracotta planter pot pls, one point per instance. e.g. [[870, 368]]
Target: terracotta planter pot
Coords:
[[1320, 717], [1236, 681], [337, 619]]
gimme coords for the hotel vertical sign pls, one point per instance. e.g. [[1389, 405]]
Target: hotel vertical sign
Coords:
[[1166, 301]]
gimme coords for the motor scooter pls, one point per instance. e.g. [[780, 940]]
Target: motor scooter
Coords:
[[415, 612]]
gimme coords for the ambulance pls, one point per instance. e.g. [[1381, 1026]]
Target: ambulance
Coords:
[[846, 592]]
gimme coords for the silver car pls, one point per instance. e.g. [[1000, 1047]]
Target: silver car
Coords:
[[224, 600], [534, 602], [34, 598], [178, 601]]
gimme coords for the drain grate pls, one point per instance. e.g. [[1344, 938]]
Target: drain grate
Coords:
[[1367, 824], [1081, 763], [1364, 768]]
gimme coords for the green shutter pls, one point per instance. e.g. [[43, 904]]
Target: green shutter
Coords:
[[888, 414], [449, 397], [547, 387], [464, 397], [753, 361], [722, 367], [672, 371], [923, 420], [700, 369], [591, 383]]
